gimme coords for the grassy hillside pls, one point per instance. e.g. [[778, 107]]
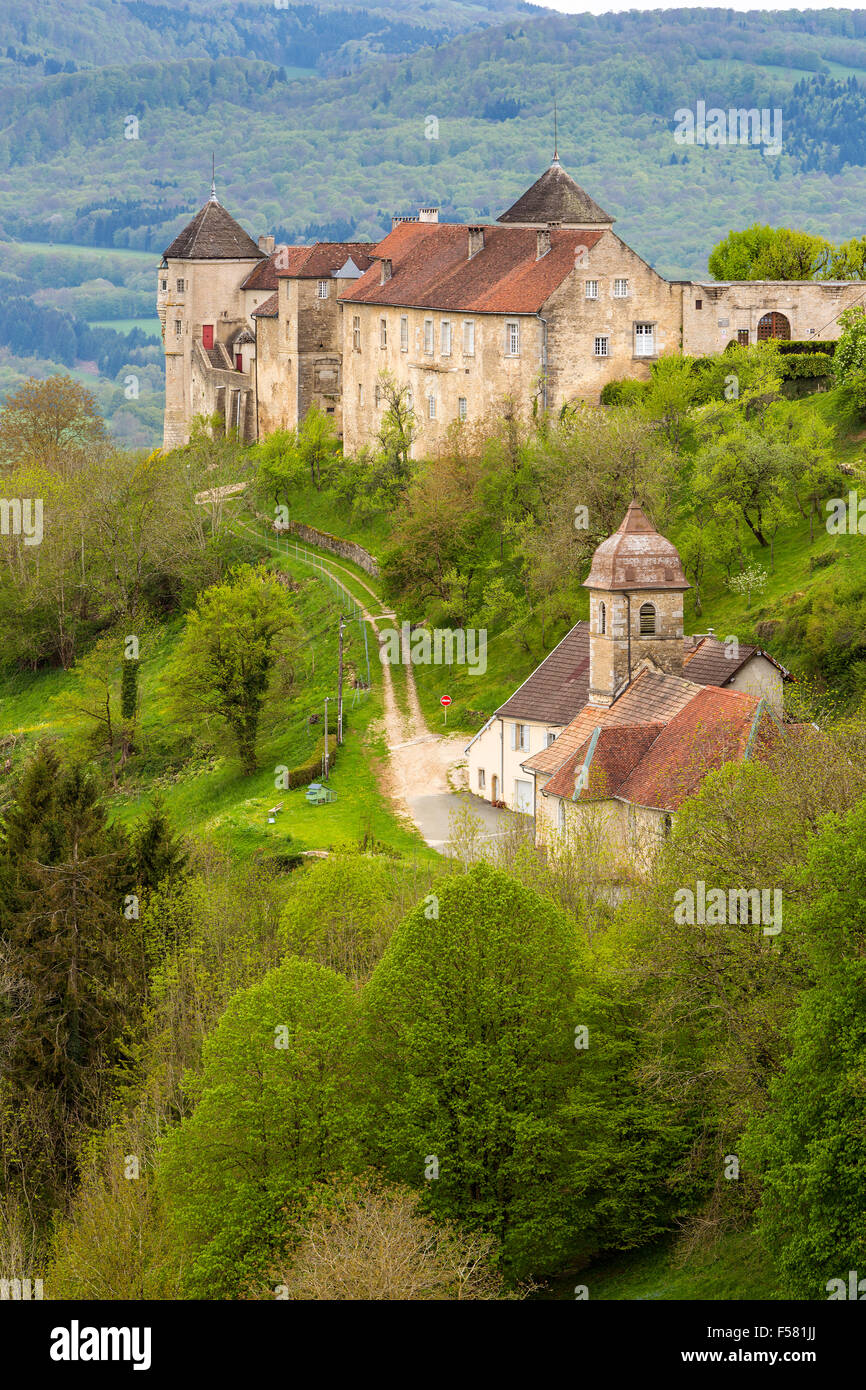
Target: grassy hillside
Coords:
[[201, 782]]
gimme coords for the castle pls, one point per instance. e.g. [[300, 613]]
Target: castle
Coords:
[[547, 304]]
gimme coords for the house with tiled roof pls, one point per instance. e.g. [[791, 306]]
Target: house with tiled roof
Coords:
[[624, 719]]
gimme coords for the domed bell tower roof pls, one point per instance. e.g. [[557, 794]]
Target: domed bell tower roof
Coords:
[[636, 556]]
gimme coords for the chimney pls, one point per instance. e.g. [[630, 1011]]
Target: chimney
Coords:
[[476, 241], [266, 244], [542, 242], [386, 270], [428, 214]]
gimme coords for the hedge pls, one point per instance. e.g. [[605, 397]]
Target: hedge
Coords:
[[311, 770], [623, 392], [809, 364]]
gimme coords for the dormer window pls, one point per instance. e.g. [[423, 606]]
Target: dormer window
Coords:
[[647, 620]]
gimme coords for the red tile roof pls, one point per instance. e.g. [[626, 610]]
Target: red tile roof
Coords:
[[714, 728], [268, 309], [652, 697], [431, 269], [287, 258], [264, 275], [617, 752], [326, 257]]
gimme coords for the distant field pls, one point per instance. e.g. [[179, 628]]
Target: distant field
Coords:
[[150, 326], [62, 248]]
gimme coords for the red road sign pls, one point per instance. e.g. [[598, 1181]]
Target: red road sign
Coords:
[[445, 700]]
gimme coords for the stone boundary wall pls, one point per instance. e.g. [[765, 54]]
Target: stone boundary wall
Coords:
[[347, 550]]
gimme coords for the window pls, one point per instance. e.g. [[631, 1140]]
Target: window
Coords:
[[667, 824], [322, 289], [356, 332], [620, 289], [512, 339], [644, 340], [468, 338], [383, 333], [602, 619], [163, 284], [178, 328], [461, 407], [551, 737], [699, 304], [404, 332], [521, 737], [288, 330], [560, 815], [647, 620], [410, 401], [743, 337], [591, 289], [428, 335], [360, 393], [181, 286], [601, 348], [445, 338], [482, 779], [431, 407], [378, 393]]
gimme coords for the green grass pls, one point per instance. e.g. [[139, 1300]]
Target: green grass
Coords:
[[736, 1267]]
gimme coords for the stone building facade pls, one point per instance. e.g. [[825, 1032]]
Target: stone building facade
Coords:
[[545, 306]]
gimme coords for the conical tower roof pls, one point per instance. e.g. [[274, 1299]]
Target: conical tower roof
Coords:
[[555, 197], [636, 556], [213, 235]]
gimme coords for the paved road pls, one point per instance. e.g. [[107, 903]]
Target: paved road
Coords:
[[431, 812]]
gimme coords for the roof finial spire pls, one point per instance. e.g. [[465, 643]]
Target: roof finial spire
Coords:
[[213, 196], [555, 135]]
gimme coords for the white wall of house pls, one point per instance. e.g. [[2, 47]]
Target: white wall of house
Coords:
[[498, 753], [759, 677]]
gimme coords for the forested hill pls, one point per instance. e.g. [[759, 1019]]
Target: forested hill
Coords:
[[326, 120]]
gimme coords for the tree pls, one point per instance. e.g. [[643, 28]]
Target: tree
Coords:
[[469, 1051], [341, 913], [810, 1145], [274, 1113], [318, 445], [752, 580], [769, 253], [65, 876], [849, 359], [54, 424], [372, 1241], [239, 634], [158, 852]]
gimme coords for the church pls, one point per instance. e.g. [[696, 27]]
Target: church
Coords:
[[542, 308], [626, 716]]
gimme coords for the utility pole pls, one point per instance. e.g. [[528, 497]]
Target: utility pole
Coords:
[[340, 690]]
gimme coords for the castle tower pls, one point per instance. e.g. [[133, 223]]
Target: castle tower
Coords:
[[636, 586], [556, 198], [201, 308]]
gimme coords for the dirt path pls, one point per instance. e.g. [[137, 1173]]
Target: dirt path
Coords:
[[423, 767]]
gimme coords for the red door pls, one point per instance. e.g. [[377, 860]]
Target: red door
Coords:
[[239, 362], [207, 335]]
